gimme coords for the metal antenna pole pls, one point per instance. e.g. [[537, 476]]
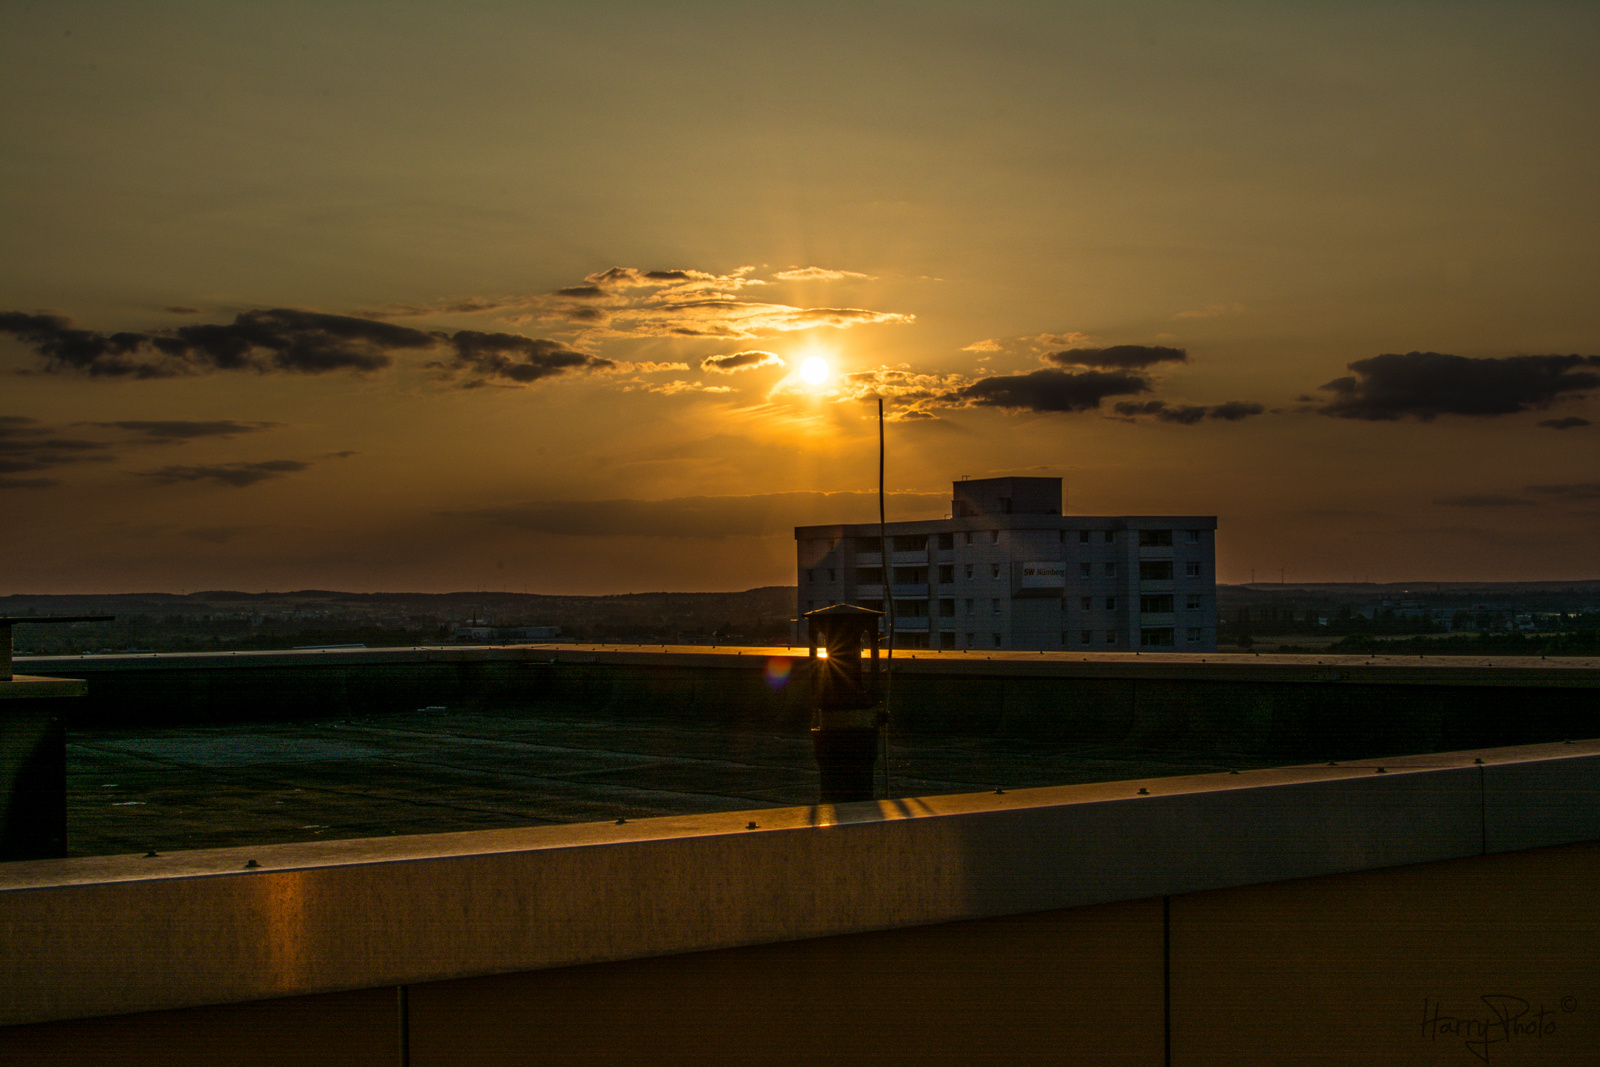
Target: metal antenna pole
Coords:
[[888, 590]]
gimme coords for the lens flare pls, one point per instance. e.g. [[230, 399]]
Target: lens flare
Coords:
[[814, 371], [778, 668]]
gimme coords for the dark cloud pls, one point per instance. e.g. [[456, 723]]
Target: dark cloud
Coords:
[[1188, 414], [28, 483], [26, 445], [1118, 357], [237, 475], [181, 309], [582, 292], [1234, 410], [713, 517], [280, 339], [740, 361], [1484, 500], [1571, 491], [1571, 422], [168, 431], [1428, 384], [513, 357], [1051, 390]]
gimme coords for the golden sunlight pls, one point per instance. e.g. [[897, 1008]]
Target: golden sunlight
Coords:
[[814, 371]]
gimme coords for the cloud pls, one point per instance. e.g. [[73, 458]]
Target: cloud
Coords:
[[651, 367], [1187, 414], [821, 274], [237, 475], [169, 431], [1032, 343], [181, 309], [513, 357], [677, 385], [28, 483], [1484, 500], [26, 445], [1571, 422], [279, 339], [737, 319], [1571, 491], [713, 517], [737, 361], [1234, 410], [1051, 390], [1118, 357], [1427, 384]]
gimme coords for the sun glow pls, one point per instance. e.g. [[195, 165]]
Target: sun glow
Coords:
[[814, 371]]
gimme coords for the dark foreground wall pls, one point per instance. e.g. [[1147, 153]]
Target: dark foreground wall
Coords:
[[1463, 962], [1442, 912]]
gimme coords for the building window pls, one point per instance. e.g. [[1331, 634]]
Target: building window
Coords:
[[996, 640], [869, 544], [947, 574], [833, 576], [1155, 538], [1191, 603], [1155, 570], [1156, 605], [869, 576], [968, 536], [1156, 636], [1111, 537], [1194, 537], [1111, 570], [910, 543], [1083, 537], [1191, 570], [947, 541], [1111, 603], [994, 570], [969, 607], [1111, 637], [1086, 603], [1085, 570], [969, 572], [1194, 634], [1088, 637], [996, 603], [811, 576], [947, 609]]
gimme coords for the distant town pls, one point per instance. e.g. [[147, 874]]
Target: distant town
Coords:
[[1467, 618]]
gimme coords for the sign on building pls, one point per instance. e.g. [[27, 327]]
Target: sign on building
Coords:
[[1044, 575]]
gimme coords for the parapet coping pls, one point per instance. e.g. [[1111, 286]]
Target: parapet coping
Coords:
[[116, 934], [1563, 671]]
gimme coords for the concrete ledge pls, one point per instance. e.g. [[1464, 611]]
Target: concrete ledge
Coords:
[[28, 687], [1155, 666], [111, 935]]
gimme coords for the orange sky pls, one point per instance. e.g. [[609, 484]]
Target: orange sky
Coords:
[[515, 296]]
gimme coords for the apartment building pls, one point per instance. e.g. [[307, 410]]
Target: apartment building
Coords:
[[1007, 570]]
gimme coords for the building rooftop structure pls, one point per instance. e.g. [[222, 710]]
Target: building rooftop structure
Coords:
[[1007, 570]]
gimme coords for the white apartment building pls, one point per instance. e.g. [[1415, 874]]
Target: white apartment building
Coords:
[[1008, 570]]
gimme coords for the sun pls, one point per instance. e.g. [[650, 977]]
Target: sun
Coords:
[[814, 371]]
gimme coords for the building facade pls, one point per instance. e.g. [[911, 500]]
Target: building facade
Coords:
[[1007, 570]]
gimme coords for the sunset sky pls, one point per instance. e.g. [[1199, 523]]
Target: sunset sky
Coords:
[[417, 296]]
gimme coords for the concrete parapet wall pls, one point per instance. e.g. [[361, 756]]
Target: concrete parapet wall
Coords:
[[111, 935], [1285, 708]]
